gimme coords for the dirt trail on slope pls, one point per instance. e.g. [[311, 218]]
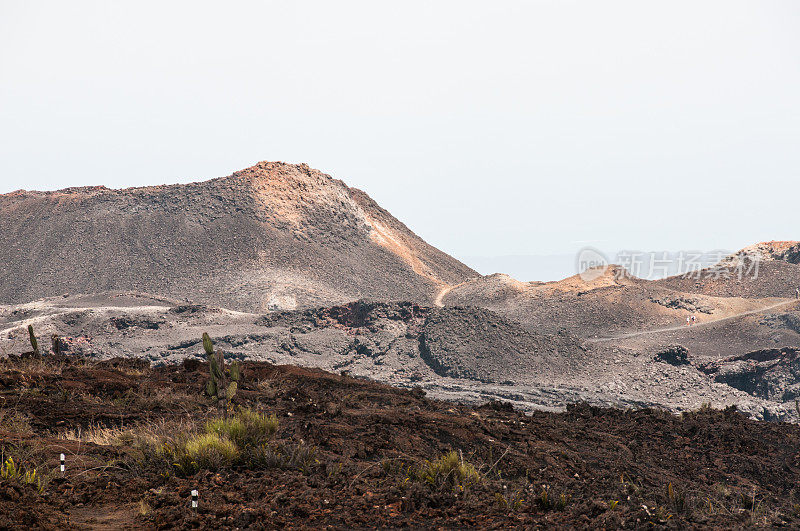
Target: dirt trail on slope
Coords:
[[684, 327], [444, 290], [441, 295], [383, 236]]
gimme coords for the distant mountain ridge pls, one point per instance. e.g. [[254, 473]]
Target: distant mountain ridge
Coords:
[[765, 269], [274, 235]]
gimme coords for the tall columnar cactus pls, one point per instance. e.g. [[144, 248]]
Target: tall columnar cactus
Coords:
[[224, 381], [34, 343]]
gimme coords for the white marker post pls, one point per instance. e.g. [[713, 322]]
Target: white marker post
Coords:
[[194, 499], [62, 464]]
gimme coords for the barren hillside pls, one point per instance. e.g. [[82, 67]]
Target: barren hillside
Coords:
[[609, 304], [767, 269], [271, 236]]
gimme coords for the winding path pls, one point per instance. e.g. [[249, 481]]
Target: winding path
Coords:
[[445, 289], [684, 327], [440, 296]]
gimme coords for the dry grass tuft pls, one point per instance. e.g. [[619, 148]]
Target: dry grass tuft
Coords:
[[14, 422], [102, 435]]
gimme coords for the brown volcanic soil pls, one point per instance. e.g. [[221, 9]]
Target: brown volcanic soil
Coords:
[[273, 235], [614, 468]]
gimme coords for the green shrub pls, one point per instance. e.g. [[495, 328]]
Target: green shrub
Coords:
[[209, 451], [237, 440], [231, 428], [247, 428], [449, 469]]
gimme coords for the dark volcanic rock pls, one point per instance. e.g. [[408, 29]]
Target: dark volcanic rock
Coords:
[[356, 315], [479, 344], [358, 445], [470, 343], [682, 303], [674, 355], [123, 323], [773, 374]]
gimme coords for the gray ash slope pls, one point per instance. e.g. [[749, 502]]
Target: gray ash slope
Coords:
[[271, 236], [465, 354]]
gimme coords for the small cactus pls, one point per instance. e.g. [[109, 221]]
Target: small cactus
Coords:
[[223, 382], [34, 343]]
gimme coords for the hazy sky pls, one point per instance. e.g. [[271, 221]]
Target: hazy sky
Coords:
[[490, 128]]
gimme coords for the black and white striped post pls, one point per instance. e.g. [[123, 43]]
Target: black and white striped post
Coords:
[[63, 467], [194, 499]]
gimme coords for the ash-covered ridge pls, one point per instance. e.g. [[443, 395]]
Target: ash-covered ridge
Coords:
[[272, 236]]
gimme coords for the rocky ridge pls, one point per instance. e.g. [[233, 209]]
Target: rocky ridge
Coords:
[[271, 236]]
